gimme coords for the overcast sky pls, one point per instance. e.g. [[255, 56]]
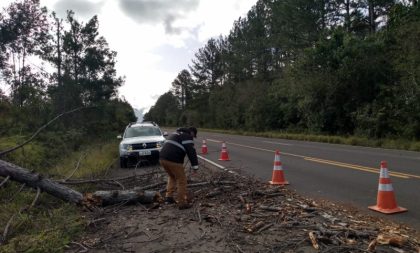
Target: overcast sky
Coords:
[[154, 39]]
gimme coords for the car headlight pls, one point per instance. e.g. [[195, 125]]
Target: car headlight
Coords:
[[128, 147], [159, 144]]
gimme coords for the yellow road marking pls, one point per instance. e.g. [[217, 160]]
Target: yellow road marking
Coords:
[[394, 173], [245, 146], [336, 163], [355, 167]]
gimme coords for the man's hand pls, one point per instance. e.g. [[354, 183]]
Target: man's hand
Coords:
[[194, 170]]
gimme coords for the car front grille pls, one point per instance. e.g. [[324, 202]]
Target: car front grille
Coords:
[[138, 146]]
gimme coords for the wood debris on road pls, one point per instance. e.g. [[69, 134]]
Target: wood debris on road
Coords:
[[235, 213]]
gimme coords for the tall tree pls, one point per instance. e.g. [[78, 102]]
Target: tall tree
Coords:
[[207, 66], [55, 55], [183, 88], [25, 26], [4, 39], [165, 111], [86, 71], [376, 10]]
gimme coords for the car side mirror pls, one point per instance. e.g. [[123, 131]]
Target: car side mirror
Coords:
[[119, 137], [165, 134]]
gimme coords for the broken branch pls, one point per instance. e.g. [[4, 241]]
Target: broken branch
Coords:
[[4, 181], [39, 130]]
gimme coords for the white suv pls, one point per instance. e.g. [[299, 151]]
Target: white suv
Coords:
[[140, 142]]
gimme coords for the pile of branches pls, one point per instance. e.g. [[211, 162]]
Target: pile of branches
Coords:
[[258, 209], [258, 217]]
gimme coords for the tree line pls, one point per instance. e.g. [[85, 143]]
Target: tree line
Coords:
[[49, 66], [342, 67]]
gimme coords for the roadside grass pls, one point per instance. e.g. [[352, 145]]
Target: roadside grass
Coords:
[[51, 224], [47, 227], [29, 156], [351, 140], [90, 162]]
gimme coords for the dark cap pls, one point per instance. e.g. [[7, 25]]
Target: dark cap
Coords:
[[193, 131]]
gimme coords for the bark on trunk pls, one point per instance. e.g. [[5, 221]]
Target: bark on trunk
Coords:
[[347, 2], [128, 196], [372, 17], [99, 198], [36, 180]]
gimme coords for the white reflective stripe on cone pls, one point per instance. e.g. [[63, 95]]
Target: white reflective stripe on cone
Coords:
[[385, 187], [384, 173], [277, 168]]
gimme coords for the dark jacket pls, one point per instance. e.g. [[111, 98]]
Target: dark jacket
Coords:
[[177, 145]]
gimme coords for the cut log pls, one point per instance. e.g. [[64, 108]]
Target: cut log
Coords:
[[36, 180], [105, 198], [99, 198]]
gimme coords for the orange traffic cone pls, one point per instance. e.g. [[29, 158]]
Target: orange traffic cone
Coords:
[[386, 202], [278, 176], [204, 148], [224, 156]]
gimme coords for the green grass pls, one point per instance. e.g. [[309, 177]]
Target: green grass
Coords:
[[351, 140], [47, 227], [93, 161], [51, 224], [29, 156]]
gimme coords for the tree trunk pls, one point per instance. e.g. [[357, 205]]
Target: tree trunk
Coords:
[[127, 196], [99, 198], [347, 2], [372, 16], [58, 52], [36, 180]]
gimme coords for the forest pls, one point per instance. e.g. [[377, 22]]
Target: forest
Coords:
[[51, 66], [339, 67], [60, 113]]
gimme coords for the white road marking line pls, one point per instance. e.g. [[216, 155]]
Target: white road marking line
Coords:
[[218, 165], [211, 162]]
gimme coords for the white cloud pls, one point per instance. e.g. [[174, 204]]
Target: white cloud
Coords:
[[154, 39], [158, 11], [220, 18], [83, 8]]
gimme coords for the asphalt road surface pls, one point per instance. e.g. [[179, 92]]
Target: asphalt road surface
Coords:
[[343, 174]]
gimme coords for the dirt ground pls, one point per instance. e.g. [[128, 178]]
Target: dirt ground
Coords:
[[234, 213]]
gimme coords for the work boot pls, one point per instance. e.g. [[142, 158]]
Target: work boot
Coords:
[[184, 206], [169, 200]]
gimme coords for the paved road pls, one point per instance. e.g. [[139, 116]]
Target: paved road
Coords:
[[345, 174]]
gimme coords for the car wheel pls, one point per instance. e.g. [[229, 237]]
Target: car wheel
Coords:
[[123, 163]]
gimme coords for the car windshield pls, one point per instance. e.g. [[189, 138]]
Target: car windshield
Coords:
[[142, 131]]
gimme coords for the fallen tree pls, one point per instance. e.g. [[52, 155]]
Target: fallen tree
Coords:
[[65, 193], [36, 180]]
